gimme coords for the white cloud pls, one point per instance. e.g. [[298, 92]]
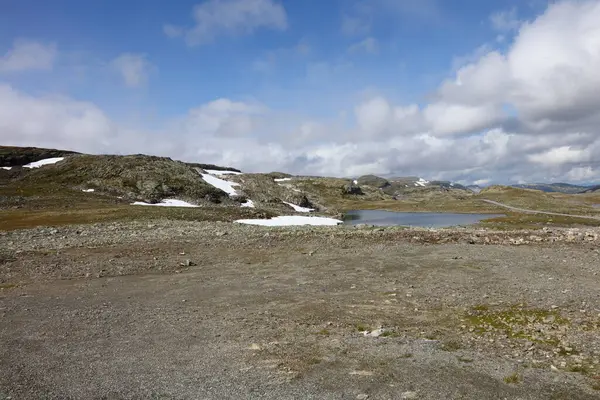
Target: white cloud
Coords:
[[52, 121], [28, 55], [561, 155], [214, 18], [368, 45], [529, 113], [582, 174], [134, 69], [448, 119], [505, 21]]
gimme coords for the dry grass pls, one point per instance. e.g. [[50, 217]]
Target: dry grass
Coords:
[[538, 200], [535, 221]]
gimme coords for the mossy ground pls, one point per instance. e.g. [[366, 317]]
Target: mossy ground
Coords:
[[517, 322]]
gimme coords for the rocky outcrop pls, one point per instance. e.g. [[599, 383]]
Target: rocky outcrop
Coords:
[[373, 181]]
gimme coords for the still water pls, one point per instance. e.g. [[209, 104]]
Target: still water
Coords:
[[428, 220]]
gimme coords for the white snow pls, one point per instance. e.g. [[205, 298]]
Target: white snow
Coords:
[[166, 203], [224, 185], [218, 173], [7, 168], [298, 208], [47, 161], [282, 179], [355, 182], [421, 182], [375, 333], [291, 221], [249, 203], [88, 190]]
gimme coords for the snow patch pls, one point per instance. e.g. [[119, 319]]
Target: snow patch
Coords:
[[249, 203], [282, 179], [355, 182], [88, 190], [7, 168], [218, 173], [41, 163], [375, 333], [421, 182], [166, 203], [224, 185], [298, 208], [291, 221]]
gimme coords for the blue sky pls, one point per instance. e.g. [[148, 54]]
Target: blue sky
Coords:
[[417, 46], [148, 68]]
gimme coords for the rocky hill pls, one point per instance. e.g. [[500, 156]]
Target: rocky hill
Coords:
[[593, 189], [11, 156]]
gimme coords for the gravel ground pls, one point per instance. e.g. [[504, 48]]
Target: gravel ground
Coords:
[[183, 310]]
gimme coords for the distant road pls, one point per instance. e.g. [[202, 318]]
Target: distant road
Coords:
[[523, 210]]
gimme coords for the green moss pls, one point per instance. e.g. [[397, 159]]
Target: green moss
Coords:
[[8, 286], [515, 322]]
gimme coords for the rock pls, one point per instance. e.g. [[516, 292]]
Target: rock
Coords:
[[362, 396], [352, 189], [373, 181], [409, 395], [188, 263]]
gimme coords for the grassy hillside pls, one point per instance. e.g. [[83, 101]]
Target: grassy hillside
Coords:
[[554, 187], [136, 177]]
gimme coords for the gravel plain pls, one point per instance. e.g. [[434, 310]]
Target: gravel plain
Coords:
[[194, 310]]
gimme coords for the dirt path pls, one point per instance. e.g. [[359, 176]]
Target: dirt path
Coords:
[[523, 210], [281, 317]]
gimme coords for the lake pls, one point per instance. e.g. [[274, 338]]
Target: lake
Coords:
[[427, 220]]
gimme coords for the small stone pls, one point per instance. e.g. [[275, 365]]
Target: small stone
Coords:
[[553, 368], [362, 396], [254, 346], [554, 307]]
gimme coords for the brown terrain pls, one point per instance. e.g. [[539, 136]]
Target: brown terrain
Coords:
[[103, 300]]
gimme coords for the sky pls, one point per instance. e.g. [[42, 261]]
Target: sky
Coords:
[[464, 90]]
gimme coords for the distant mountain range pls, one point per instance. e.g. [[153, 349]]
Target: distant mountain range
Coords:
[[559, 187]]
